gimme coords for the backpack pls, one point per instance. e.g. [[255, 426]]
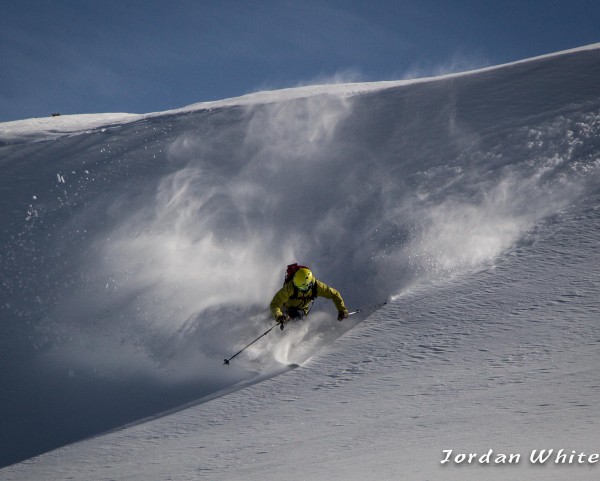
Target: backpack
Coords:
[[289, 275]]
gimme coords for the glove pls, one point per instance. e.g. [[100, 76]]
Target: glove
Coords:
[[281, 320], [342, 314]]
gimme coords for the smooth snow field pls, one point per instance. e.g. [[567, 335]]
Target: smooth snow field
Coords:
[[139, 251]]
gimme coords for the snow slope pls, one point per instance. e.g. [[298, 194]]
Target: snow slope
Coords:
[[141, 252]]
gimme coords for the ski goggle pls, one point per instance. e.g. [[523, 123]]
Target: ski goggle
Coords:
[[305, 287]]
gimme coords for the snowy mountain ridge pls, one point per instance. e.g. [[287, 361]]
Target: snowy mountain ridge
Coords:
[[53, 127]]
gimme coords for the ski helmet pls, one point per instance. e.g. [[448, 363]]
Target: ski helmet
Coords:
[[303, 279]]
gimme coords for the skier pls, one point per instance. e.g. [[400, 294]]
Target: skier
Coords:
[[300, 289]]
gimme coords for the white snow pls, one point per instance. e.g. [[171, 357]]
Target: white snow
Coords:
[[140, 251], [54, 127]]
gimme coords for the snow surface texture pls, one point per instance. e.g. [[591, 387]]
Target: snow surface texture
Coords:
[[140, 252]]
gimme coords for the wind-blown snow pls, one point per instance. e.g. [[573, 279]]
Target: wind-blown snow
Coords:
[[138, 252]]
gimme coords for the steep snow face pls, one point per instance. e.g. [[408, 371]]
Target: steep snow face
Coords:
[[137, 255], [502, 359]]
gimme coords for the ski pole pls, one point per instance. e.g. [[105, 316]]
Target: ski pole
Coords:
[[226, 362], [383, 304], [368, 308]]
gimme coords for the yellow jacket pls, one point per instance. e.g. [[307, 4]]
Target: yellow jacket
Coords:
[[285, 298]]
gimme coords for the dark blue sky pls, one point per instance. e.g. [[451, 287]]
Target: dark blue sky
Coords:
[[88, 56]]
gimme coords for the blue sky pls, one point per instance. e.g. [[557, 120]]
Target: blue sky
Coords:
[[88, 56]]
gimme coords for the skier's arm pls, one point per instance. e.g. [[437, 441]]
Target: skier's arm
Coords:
[[278, 300], [323, 290]]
